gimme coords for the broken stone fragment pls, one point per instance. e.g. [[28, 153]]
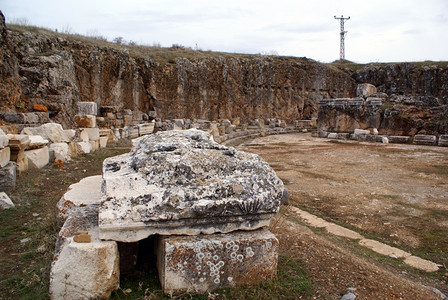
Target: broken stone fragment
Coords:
[[5, 202], [182, 182]]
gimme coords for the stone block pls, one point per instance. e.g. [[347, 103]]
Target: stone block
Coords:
[[425, 139], [365, 89], [95, 145], [5, 156], [222, 130], [83, 147], [214, 131], [50, 131], [133, 131], [144, 129], [70, 134], [36, 141], [38, 158], [178, 124], [5, 202], [18, 141], [230, 129], [21, 160], [85, 271], [60, 151], [8, 177], [88, 121], [399, 139], [84, 193], [361, 132], [93, 133], [87, 108], [207, 188], [443, 140], [103, 141], [203, 263], [332, 135]]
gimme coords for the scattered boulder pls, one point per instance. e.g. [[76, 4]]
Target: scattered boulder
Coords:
[[5, 202]]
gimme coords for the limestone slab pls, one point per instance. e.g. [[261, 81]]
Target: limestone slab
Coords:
[[83, 147], [399, 139], [5, 156], [145, 129], [51, 131], [36, 141], [205, 262], [83, 193], [4, 140], [38, 158], [182, 182]]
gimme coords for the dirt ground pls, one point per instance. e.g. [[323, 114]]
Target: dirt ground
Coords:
[[396, 194]]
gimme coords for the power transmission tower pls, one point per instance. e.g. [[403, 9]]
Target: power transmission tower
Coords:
[[343, 33]]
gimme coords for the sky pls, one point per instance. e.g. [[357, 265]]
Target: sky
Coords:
[[377, 31]]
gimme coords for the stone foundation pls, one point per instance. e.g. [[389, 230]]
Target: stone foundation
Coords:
[[205, 262]]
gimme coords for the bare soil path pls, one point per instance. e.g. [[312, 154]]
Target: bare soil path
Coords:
[[395, 194]]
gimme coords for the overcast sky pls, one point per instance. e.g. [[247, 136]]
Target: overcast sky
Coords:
[[378, 31]]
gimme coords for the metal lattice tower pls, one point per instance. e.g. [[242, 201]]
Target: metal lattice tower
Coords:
[[343, 33]]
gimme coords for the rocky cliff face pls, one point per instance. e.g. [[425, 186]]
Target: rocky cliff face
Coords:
[[41, 69]]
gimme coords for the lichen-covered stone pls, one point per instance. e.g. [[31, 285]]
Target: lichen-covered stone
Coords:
[[206, 262], [182, 182]]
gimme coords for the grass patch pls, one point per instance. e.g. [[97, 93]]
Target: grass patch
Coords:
[[28, 232]]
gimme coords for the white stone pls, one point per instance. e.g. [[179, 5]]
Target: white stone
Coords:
[[87, 108], [84, 136], [60, 151], [5, 202], [51, 131], [384, 140], [38, 158], [181, 182], [5, 156], [4, 140], [70, 134], [203, 263], [95, 145], [93, 133], [375, 131], [85, 192], [361, 132], [83, 147], [36, 141], [103, 141], [332, 135], [85, 271]]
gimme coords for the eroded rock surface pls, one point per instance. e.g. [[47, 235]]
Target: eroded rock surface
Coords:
[[182, 182]]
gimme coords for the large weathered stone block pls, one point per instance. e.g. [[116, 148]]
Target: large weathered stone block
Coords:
[[4, 139], [38, 158], [92, 133], [36, 141], [5, 201], [182, 182], [205, 262], [18, 141], [87, 108], [51, 131], [399, 139]]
